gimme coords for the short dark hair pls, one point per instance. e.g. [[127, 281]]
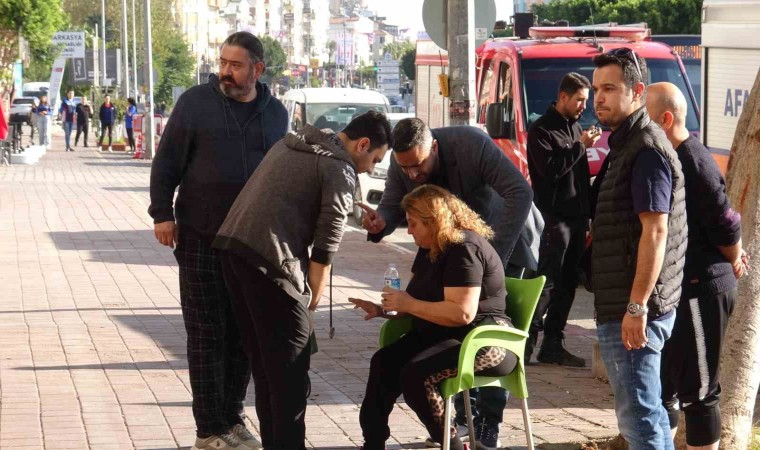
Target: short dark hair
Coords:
[[249, 42], [631, 75], [131, 101], [573, 82], [410, 133], [373, 125]]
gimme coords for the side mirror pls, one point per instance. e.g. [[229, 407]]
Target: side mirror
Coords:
[[497, 122]]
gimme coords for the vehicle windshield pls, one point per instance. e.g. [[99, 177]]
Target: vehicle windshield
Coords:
[[336, 115], [23, 101], [541, 79]]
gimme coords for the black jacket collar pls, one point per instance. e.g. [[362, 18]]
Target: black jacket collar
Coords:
[[636, 121]]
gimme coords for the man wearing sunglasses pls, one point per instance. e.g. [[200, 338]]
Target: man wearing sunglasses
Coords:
[[640, 238]]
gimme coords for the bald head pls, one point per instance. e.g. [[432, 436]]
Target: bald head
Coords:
[[662, 97], [666, 105]]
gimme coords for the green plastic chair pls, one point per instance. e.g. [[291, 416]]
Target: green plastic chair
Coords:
[[521, 303]]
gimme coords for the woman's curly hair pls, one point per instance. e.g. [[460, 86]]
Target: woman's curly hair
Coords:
[[448, 216]]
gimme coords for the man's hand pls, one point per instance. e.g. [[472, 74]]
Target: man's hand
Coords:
[[371, 221], [634, 332], [741, 265], [396, 300], [372, 309], [589, 137], [166, 233]]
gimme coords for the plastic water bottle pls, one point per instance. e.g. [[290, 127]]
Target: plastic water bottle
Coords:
[[393, 281]]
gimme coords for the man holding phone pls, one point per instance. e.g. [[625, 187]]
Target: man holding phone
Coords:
[[560, 177]]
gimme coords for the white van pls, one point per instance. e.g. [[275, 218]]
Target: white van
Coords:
[[330, 107], [730, 64]]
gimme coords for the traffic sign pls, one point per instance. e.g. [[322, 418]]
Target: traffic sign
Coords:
[[387, 69]]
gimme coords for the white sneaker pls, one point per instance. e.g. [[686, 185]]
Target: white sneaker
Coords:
[[226, 441], [247, 438], [110, 149]]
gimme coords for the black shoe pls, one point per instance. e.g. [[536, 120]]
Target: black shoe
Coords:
[[553, 352], [71, 149], [530, 345], [487, 435]]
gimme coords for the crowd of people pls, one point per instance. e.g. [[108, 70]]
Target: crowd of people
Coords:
[[260, 215]]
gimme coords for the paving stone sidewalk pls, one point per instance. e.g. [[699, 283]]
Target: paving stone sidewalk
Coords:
[[92, 343]]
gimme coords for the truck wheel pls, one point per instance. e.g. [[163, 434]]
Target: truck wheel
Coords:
[[358, 212]]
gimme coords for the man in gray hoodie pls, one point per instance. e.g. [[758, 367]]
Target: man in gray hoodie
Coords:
[[276, 247]]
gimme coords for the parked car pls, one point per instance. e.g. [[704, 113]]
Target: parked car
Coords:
[[21, 109], [330, 107], [370, 186]]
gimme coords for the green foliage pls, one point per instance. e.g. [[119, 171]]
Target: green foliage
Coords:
[[662, 16], [315, 82], [367, 74], [274, 57], [506, 32], [35, 20], [398, 49], [176, 69], [407, 63], [121, 108]]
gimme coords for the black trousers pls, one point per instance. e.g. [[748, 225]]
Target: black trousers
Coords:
[[83, 126], [402, 368], [103, 128], [562, 244], [275, 329], [690, 371], [131, 138], [219, 369]]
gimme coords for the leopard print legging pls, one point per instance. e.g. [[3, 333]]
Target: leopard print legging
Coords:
[[486, 358]]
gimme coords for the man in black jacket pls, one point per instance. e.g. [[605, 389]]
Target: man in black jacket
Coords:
[[714, 260], [640, 237], [559, 172], [217, 135], [84, 112]]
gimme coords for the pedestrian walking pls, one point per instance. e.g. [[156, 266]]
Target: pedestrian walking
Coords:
[[129, 116], [714, 261], [560, 179], [107, 117], [66, 114], [218, 134], [277, 245], [84, 113], [640, 233]]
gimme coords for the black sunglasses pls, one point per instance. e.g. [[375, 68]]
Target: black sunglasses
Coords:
[[625, 52]]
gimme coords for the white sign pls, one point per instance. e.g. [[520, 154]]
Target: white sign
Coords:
[[56, 76], [386, 63], [71, 43], [387, 70], [481, 33], [388, 79]]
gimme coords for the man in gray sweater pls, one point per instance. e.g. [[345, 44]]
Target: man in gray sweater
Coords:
[[276, 246]]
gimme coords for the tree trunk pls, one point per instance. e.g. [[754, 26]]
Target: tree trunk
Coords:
[[8, 57], [740, 374]]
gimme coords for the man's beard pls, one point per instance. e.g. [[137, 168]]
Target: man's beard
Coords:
[[236, 91]]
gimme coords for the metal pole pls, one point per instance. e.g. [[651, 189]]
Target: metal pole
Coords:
[[460, 38], [125, 46], [134, 48], [103, 53], [149, 147]]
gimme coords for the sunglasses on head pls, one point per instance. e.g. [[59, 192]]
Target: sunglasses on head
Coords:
[[625, 52]]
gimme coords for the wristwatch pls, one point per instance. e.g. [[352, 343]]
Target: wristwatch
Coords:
[[636, 310]]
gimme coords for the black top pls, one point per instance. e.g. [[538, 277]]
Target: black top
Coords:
[[558, 166], [243, 110], [84, 112], [474, 262], [711, 221]]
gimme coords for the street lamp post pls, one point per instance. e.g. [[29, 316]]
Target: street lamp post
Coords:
[[134, 48], [149, 127], [103, 53], [125, 47]]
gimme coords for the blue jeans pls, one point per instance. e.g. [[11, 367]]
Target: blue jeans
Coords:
[[67, 126], [487, 404], [635, 379]]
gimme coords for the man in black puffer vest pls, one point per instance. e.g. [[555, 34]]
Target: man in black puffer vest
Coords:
[[640, 238]]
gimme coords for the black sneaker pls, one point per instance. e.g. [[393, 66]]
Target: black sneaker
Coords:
[[487, 435], [530, 345], [553, 351]]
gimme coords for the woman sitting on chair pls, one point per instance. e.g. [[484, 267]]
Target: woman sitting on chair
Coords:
[[457, 285]]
